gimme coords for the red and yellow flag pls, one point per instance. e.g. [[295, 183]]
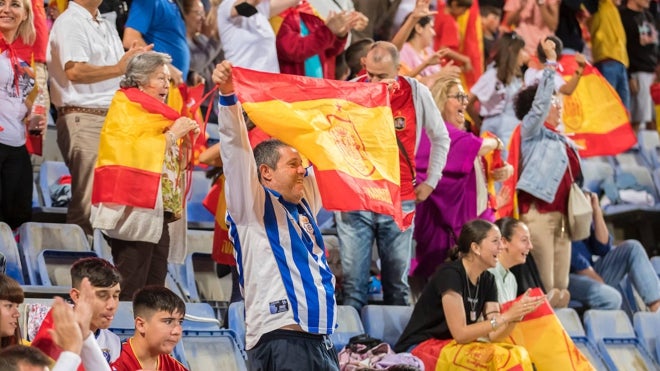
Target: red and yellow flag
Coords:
[[216, 204], [594, 116], [344, 128], [554, 350], [132, 150], [472, 45]]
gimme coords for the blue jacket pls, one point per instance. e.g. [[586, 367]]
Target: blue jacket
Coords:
[[543, 151]]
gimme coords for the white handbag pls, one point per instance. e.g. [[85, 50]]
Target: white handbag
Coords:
[[580, 212]]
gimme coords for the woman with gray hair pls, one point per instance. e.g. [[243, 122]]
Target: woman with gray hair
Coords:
[[139, 179]]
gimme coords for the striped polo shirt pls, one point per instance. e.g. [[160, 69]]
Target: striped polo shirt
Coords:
[[282, 267]]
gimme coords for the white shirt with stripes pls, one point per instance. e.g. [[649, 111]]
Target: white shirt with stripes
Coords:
[[282, 268]]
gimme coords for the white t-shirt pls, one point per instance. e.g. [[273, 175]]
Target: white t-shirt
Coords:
[[249, 42], [77, 37], [110, 344], [533, 77], [12, 102]]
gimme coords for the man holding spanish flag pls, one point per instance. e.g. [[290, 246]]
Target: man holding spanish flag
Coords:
[[290, 306], [413, 109]]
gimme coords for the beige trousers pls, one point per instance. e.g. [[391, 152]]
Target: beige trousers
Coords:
[[78, 138], [552, 246]]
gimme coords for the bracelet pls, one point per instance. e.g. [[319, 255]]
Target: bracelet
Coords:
[[500, 144], [493, 323]]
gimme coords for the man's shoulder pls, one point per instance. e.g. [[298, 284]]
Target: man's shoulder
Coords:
[[169, 363]]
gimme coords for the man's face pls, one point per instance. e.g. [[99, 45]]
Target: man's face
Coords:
[[104, 306], [287, 177], [162, 331], [382, 69]]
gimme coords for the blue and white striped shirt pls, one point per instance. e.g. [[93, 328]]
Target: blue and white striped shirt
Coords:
[[282, 267]]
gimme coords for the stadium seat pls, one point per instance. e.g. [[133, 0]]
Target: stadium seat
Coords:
[[124, 323], [629, 303], [571, 323], [236, 319], [49, 173], [211, 350], [202, 281], [386, 322], [100, 245], [55, 265], [9, 249], [349, 324], [647, 327], [35, 237], [615, 337], [197, 215], [200, 317], [649, 143], [31, 313], [596, 173], [213, 136]]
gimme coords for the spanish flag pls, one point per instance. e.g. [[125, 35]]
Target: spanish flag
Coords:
[[472, 45], [594, 116], [554, 350], [132, 150], [344, 128]]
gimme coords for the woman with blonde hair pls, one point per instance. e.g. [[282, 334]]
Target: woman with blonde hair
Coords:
[[461, 194]]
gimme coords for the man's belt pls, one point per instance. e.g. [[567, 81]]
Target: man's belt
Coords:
[[73, 109]]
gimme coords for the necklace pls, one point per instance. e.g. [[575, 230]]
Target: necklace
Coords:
[[472, 300]]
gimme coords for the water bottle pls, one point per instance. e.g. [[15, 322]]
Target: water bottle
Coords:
[[37, 113]]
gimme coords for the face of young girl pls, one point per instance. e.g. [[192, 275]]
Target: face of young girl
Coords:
[[8, 318]]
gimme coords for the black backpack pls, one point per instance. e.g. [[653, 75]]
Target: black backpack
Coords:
[[120, 7]]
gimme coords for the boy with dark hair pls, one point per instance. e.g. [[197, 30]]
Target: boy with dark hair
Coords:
[[22, 357], [158, 314], [491, 18], [105, 280]]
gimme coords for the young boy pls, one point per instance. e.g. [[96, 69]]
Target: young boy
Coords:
[[105, 280], [158, 316], [490, 23]]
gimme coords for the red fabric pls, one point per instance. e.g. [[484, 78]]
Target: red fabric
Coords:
[[127, 361], [293, 49], [509, 205], [256, 136], [447, 34], [44, 341], [655, 92], [403, 111], [429, 352], [560, 203], [472, 45], [112, 186], [214, 202]]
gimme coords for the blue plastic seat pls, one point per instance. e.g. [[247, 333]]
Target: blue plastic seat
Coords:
[[55, 265], [211, 350], [236, 319], [647, 327], [349, 324], [386, 322], [9, 249], [49, 173], [124, 323], [615, 337], [571, 322], [200, 317], [35, 237], [197, 215]]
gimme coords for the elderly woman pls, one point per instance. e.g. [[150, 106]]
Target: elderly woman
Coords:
[[458, 309], [15, 85], [139, 180], [461, 194], [550, 165]]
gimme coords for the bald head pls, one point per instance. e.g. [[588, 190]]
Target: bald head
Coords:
[[382, 61]]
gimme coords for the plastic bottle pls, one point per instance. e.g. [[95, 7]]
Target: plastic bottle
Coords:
[[37, 113]]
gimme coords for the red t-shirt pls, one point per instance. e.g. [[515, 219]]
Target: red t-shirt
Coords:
[[447, 34], [127, 361]]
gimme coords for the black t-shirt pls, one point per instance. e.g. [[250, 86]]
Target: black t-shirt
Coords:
[[641, 40], [428, 318]]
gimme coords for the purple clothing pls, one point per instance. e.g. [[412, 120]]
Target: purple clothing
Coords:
[[439, 219]]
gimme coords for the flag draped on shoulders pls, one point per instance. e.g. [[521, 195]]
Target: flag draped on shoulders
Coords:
[[344, 128], [594, 116], [132, 150]]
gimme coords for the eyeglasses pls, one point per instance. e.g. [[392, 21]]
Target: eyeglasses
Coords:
[[461, 97]]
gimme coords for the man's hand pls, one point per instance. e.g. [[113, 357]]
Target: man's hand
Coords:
[[502, 173], [360, 21], [422, 10], [66, 332], [340, 23], [422, 192], [175, 74], [222, 77], [132, 51], [449, 70]]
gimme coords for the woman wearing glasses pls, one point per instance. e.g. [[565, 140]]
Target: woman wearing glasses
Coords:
[[461, 194], [497, 87]]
